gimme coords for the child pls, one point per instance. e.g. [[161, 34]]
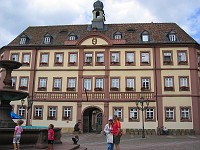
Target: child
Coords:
[[17, 134], [50, 137]]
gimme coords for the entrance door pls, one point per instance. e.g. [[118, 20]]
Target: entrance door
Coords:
[[86, 125], [92, 120]]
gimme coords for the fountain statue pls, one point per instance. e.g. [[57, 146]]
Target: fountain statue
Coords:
[[32, 136]]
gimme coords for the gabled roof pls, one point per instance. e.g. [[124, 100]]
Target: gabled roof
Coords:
[[158, 33]]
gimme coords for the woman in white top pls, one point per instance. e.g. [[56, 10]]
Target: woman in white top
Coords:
[[109, 136]]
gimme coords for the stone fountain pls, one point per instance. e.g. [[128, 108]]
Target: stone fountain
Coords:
[[31, 137]]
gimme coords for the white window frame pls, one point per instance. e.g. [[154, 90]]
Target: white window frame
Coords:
[[45, 58], [22, 41], [14, 81], [72, 37], [15, 57], [115, 82], [115, 57], [130, 57], [71, 83], [130, 83], [100, 57], [59, 58], [52, 111], [24, 82], [21, 111], [47, 40], [172, 37], [99, 83], [182, 57], [67, 112], [146, 83], [118, 36], [72, 58], [145, 57], [38, 111], [184, 82], [145, 37], [133, 113], [150, 113], [170, 113], [166, 56], [185, 113], [42, 82], [57, 83], [88, 57], [26, 58], [168, 82], [118, 112], [88, 84]]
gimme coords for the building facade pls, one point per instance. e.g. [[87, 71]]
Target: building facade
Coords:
[[86, 73]]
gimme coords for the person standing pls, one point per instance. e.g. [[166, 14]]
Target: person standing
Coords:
[[17, 134], [50, 137], [108, 129], [116, 132]]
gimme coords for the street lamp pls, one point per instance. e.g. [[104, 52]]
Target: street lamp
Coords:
[[142, 101]]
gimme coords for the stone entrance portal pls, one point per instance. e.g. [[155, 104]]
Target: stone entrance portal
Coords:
[[92, 120]]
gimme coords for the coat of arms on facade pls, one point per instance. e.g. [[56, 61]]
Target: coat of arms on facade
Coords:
[[94, 41]]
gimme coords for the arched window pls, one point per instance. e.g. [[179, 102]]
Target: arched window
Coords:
[[145, 36], [117, 35]]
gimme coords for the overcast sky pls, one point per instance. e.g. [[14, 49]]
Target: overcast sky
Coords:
[[17, 15]]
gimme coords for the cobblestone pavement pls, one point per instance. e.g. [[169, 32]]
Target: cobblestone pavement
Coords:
[[130, 142]]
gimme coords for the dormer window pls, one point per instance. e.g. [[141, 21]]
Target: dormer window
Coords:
[[172, 36], [47, 40], [118, 35], [145, 36], [22, 41], [72, 36]]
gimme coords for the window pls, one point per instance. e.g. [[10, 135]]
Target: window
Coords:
[[130, 58], [169, 114], [57, 84], [114, 84], [167, 58], [100, 57], [71, 84], [133, 113], [72, 58], [145, 84], [185, 113], [182, 58], [118, 112], [88, 84], [22, 41], [22, 111], [25, 59], [130, 84], [44, 59], [183, 84], [117, 36], [114, 57], [52, 113], [88, 58], [23, 83], [72, 37], [42, 84], [14, 81], [67, 113], [145, 58], [145, 36], [58, 58], [38, 112], [149, 114], [172, 37], [15, 57], [169, 84], [99, 84], [47, 40]]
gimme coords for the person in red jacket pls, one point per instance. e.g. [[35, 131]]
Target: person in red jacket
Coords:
[[50, 137], [116, 132]]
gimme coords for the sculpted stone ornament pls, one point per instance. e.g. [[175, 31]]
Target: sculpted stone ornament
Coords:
[[94, 41]]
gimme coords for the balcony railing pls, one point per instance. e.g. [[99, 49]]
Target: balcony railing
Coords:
[[92, 96]]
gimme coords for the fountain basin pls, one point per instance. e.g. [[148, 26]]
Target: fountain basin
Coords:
[[32, 136], [12, 95]]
